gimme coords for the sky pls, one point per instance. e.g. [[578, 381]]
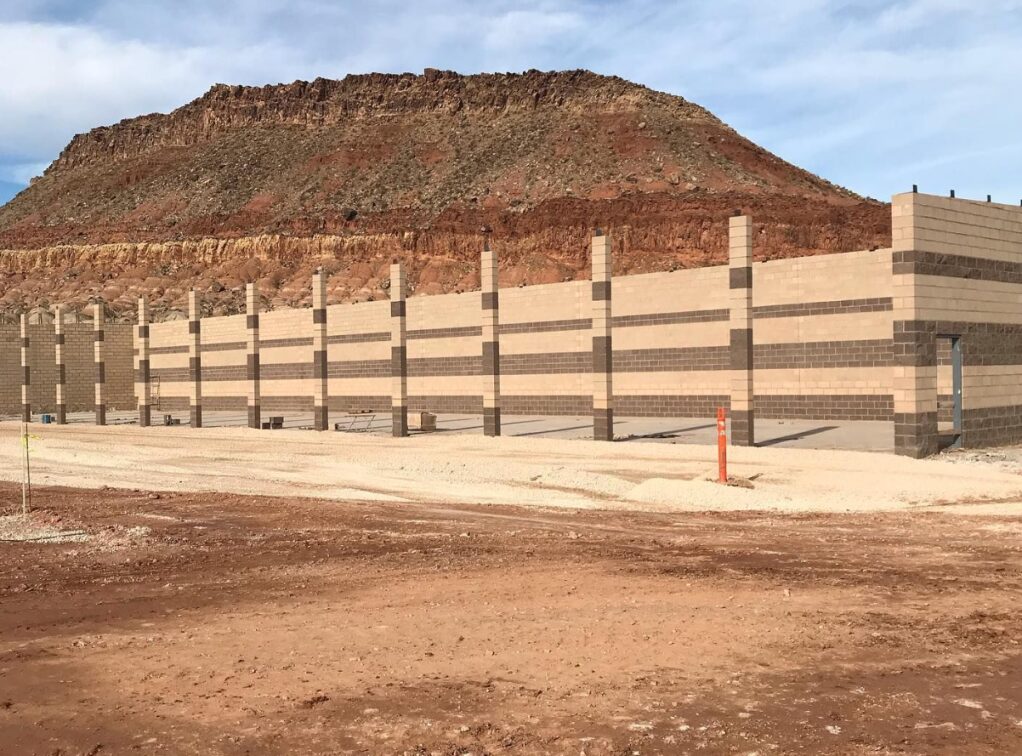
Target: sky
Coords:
[[875, 95]]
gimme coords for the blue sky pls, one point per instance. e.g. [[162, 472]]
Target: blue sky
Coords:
[[872, 94]]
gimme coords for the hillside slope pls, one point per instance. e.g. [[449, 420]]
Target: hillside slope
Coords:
[[266, 183]]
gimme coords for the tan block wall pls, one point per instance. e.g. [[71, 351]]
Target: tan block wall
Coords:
[[80, 369]]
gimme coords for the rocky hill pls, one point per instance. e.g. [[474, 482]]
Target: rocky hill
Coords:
[[267, 183]]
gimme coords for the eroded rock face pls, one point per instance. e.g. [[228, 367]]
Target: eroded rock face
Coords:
[[266, 183]]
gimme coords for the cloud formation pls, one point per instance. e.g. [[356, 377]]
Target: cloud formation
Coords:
[[872, 94]]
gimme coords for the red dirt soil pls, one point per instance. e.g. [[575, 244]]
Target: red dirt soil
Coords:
[[252, 625]]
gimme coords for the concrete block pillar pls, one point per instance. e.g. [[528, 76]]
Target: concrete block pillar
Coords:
[[398, 351], [603, 353], [915, 340], [742, 402], [491, 343], [194, 359], [98, 343], [26, 373], [59, 358], [143, 378], [320, 401], [252, 361]]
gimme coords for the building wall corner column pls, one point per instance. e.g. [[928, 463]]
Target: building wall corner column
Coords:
[[398, 351], [252, 357], [195, 359], [26, 372], [603, 352], [60, 388], [490, 342], [914, 377], [143, 373], [98, 344], [743, 411], [320, 400]]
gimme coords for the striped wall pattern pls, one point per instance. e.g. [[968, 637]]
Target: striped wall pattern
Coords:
[[741, 352], [26, 372], [194, 360], [252, 373], [398, 351], [602, 335], [957, 270], [60, 396], [490, 305], [99, 353], [143, 381], [319, 352]]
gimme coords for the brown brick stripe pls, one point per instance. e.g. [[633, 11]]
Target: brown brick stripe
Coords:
[[321, 410], [98, 340], [253, 372], [835, 307], [398, 352], [26, 372], [59, 356], [195, 360], [490, 335]]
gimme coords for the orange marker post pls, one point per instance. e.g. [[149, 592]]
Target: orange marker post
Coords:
[[722, 445]]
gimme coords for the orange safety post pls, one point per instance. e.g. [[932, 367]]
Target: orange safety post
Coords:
[[722, 445]]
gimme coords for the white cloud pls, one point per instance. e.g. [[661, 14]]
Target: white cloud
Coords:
[[865, 92]]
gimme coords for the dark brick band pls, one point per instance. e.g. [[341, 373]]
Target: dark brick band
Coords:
[[491, 421], [602, 354], [742, 427], [252, 322], [319, 316], [956, 266], [58, 339], [97, 336], [603, 424], [100, 414], [398, 361], [195, 415], [915, 434], [62, 414], [194, 327], [100, 372], [320, 418], [601, 291], [397, 309], [490, 300], [26, 342], [254, 416], [252, 372], [145, 416], [835, 307], [741, 349], [26, 375], [740, 278], [399, 421], [491, 358]]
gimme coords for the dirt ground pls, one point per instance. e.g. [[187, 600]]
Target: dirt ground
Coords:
[[472, 469], [200, 623]]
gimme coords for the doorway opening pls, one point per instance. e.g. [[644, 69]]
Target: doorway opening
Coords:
[[949, 390]]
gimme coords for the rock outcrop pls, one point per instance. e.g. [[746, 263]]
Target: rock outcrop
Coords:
[[266, 183]]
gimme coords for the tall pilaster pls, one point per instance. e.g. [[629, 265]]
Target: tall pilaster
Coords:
[[98, 344], [143, 379], [742, 402], [26, 373], [603, 353], [398, 351], [320, 401], [59, 359], [195, 359], [252, 362], [491, 343]]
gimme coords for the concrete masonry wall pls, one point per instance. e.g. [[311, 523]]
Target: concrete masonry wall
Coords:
[[822, 347], [80, 368], [957, 270]]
